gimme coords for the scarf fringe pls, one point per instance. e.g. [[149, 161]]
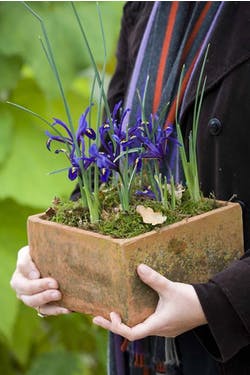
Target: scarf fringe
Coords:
[[139, 360], [161, 368], [124, 345]]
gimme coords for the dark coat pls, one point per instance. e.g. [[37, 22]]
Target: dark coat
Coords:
[[224, 164]]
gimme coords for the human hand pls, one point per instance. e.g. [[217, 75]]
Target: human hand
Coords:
[[34, 291], [178, 310]]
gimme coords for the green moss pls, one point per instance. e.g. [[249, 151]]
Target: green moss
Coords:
[[119, 224], [124, 225]]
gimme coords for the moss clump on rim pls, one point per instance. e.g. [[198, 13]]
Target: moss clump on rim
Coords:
[[119, 224]]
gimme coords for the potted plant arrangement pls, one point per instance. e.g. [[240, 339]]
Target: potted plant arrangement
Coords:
[[129, 211]]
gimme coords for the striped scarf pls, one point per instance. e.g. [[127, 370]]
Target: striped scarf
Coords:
[[177, 34]]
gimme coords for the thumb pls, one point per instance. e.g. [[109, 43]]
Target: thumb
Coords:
[[25, 265], [152, 278]]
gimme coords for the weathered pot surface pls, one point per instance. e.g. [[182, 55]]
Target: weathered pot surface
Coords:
[[97, 274]]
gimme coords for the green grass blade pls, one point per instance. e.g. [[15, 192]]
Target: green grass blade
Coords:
[[52, 63], [25, 109], [99, 81], [59, 170]]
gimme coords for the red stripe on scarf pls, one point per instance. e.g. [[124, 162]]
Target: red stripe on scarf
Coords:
[[171, 114], [164, 55], [196, 28]]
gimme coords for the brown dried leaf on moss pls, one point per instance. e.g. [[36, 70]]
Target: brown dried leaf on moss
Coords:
[[149, 216]]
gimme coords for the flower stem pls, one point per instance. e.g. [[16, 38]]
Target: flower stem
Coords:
[[99, 81]]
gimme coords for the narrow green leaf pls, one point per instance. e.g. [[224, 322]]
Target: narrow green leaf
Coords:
[[124, 153], [29, 111], [93, 63], [59, 170]]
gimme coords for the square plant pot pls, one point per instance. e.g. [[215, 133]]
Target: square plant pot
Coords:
[[97, 273]]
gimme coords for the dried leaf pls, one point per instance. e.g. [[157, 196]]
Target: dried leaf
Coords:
[[149, 216], [178, 191]]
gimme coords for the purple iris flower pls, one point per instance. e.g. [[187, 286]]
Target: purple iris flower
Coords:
[[156, 147], [147, 193], [115, 141], [120, 137], [102, 160], [70, 151], [83, 128], [73, 171]]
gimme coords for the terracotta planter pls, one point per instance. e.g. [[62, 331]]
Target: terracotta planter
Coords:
[[97, 274]]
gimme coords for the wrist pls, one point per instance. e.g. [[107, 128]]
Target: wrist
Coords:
[[199, 316]]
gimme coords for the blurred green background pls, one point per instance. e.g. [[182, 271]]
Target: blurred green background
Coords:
[[66, 345]]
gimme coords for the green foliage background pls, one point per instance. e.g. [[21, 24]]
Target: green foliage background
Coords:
[[68, 345]]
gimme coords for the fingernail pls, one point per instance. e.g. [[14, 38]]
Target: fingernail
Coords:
[[52, 284], [97, 320], [33, 275], [55, 295], [65, 311], [143, 269]]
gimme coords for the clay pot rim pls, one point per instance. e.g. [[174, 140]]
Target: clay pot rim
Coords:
[[223, 205]]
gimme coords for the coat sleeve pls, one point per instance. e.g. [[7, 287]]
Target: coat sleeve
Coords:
[[225, 299], [225, 302]]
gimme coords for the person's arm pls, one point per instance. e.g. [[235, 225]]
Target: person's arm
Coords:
[[225, 302]]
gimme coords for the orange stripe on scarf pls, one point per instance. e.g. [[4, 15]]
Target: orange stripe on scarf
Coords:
[[171, 115], [196, 28], [164, 55]]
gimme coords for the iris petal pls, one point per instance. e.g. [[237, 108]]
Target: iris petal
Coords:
[[82, 125], [90, 133], [59, 122], [73, 173]]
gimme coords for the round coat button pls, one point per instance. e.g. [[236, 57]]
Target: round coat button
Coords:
[[214, 126]]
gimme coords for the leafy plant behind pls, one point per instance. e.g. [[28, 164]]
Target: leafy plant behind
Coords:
[[27, 344]]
